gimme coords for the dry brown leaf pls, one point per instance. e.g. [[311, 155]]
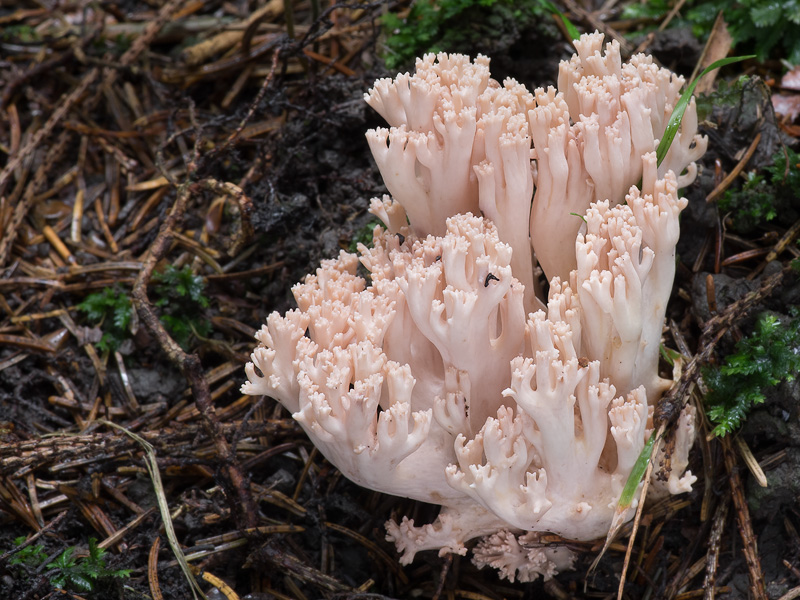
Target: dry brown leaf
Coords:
[[718, 46], [787, 105], [791, 81]]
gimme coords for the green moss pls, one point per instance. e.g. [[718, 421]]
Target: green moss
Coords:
[[728, 93], [363, 236], [109, 309], [765, 196], [454, 26], [180, 295], [66, 571], [762, 360]]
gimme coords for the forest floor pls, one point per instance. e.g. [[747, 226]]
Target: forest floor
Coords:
[[171, 170]]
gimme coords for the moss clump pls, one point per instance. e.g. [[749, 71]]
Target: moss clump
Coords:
[[762, 360], [765, 196]]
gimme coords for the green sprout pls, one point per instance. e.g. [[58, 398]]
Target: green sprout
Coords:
[[363, 236], [81, 573], [180, 295], [31, 556], [66, 571], [110, 310]]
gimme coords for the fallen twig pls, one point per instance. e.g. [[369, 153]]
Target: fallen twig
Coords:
[[757, 587]]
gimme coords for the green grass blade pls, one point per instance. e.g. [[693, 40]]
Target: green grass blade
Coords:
[[680, 108], [570, 27], [636, 475]]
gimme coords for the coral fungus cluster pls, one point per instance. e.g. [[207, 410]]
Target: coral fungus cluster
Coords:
[[446, 376]]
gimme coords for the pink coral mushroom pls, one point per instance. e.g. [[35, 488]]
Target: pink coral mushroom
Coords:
[[447, 377]]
